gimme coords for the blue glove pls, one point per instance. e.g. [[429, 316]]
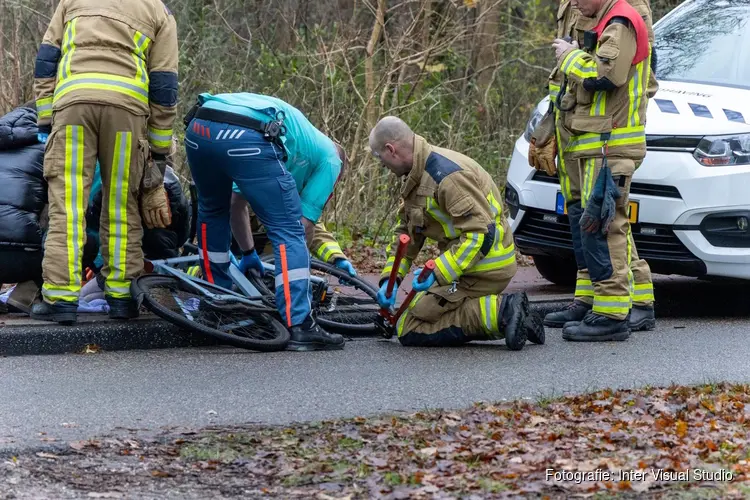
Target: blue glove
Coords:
[[425, 285], [345, 265], [387, 303], [251, 262], [42, 137]]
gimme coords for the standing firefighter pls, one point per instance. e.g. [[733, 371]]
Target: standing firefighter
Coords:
[[106, 88], [449, 198], [601, 114], [555, 136]]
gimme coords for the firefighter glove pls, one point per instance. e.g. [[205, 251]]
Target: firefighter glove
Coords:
[[424, 285], [387, 302], [155, 209], [347, 266], [545, 157]]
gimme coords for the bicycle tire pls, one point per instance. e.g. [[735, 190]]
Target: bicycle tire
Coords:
[[354, 315], [147, 290]]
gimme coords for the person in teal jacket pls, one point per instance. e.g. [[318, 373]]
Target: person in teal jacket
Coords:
[[266, 147]]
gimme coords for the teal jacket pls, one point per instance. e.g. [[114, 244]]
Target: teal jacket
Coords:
[[313, 159]]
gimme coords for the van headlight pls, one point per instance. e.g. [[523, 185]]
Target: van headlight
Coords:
[[536, 117], [724, 150]]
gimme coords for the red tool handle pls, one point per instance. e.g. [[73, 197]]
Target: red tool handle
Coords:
[[403, 243], [429, 268]]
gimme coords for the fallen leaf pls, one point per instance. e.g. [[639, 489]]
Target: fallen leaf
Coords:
[[47, 455], [91, 349], [430, 452], [682, 428], [536, 420], [109, 494], [160, 473]]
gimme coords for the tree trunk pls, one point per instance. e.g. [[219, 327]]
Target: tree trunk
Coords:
[[377, 31], [16, 49], [487, 55]]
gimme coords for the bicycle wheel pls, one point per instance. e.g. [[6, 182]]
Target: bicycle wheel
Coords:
[[349, 305], [230, 322]]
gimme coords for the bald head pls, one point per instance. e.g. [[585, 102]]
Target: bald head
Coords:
[[392, 142], [390, 129]]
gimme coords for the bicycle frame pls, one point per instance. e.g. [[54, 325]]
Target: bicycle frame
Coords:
[[172, 267]]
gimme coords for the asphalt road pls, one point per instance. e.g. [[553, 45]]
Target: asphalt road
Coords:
[[52, 399]]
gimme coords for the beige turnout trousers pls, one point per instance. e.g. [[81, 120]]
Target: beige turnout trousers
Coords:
[[81, 134]]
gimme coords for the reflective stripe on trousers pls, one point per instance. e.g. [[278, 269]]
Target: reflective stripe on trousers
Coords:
[[74, 217]]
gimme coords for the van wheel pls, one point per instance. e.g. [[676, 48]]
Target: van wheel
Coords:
[[559, 271]]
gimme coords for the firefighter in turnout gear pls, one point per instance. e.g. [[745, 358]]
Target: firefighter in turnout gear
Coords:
[[600, 124], [449, 198], [106, 88], [546, 143]]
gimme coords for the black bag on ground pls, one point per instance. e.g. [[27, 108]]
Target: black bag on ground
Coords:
[[23, 197]]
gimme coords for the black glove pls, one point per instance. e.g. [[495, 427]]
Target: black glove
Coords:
[[600, 207]]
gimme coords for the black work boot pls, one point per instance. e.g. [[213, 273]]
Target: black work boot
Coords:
[[309, 336], [574, 312], [597, 328], [122, 308], [65, 313], [642, 318], [534, 326], [514, 309]]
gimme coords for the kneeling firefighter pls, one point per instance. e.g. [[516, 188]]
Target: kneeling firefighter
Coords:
[[451, 199]]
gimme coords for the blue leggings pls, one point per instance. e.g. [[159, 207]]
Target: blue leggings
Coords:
[[219, 154]]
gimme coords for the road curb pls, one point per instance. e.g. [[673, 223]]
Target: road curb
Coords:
[[22, 338]]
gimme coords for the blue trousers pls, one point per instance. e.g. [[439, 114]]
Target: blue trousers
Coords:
[[219, 154]]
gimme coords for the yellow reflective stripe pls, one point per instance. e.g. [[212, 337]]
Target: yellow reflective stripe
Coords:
[[496, 260], [194, 271], [328, 250], [589, 170], [497, 208], [448, 267], [74, 202], [403, 267], [103, 81], [564, 178], [117, 289], [160, 137], [44, 107], [599, 107], [402, 319], [554, 91], [468, 250], [635, 93], [488, 306], [619, 137], [118, 209], [576, 64], [643, 292], [612, 304], [584, 288], [141, 42], [441, 217], [68, 47], [54, 293]]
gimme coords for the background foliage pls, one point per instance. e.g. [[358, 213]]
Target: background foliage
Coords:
[[464, 73]]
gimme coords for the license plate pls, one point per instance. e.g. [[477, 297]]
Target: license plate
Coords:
[[560, 207], [633, 209]]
